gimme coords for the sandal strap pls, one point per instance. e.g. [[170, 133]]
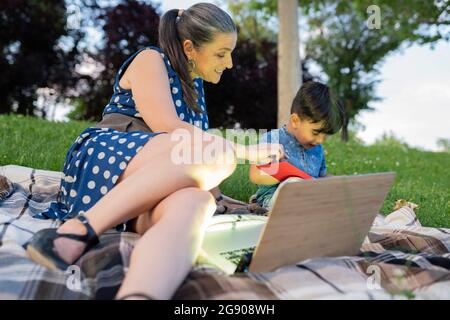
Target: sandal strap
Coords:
[[137, 294], [90, 238]]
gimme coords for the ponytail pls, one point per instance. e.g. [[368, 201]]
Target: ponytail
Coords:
[[171, 44]]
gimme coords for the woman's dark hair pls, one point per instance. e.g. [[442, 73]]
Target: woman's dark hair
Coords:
[[315, 102], [199, 24]]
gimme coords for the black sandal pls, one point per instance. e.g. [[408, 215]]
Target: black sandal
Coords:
[[41, 246]]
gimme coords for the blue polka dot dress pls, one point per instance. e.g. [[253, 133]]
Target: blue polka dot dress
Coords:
[[122, 99], [99, 156]]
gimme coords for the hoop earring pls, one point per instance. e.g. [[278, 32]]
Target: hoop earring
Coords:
[[192, 63]]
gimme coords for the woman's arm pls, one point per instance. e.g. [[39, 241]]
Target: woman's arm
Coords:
[[260, 177], [147, 77]]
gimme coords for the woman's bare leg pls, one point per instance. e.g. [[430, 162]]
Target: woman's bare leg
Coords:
[[166, 252], [150, 177]]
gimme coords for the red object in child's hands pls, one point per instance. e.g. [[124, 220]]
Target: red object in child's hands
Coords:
[[285, 170]]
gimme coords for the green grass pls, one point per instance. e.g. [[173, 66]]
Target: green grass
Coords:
[[422, 177], [36, 143]]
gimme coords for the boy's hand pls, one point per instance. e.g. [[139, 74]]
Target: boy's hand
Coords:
[[265, 153]]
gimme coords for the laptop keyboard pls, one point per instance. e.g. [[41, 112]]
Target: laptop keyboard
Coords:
[[235, 255]]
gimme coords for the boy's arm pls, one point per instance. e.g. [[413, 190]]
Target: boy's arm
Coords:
[[260, 177]]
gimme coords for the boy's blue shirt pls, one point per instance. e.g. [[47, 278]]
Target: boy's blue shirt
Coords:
[[311, 161]]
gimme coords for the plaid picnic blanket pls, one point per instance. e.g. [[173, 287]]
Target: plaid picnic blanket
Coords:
[[400, 259]]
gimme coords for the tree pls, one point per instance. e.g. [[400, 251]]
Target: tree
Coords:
[[254, 19], [443, 144], [31, 56], [246, 94], [289, 70], [349, 53], [128, 27], [253, 23], [247, 90]]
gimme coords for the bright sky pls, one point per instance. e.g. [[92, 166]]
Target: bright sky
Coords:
[[180, 4], [416, 90]]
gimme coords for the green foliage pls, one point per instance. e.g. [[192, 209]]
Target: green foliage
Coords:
[[30, 54], [253, 20], [349, 52], [389, 139], [79, 110], [444, 144], [128, 26], [246, 94]]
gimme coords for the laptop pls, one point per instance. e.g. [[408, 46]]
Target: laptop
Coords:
[[329, 217]]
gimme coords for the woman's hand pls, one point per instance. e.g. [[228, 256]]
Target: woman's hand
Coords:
[[261, 153]]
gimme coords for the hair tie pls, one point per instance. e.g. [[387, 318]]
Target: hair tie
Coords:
[[180, 12]]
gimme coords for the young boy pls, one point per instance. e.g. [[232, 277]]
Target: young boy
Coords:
[[315, 113]]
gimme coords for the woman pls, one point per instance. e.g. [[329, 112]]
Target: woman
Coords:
[[113, 177]]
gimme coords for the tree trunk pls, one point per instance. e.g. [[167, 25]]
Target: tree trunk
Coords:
[[344, 132], [289, 67]]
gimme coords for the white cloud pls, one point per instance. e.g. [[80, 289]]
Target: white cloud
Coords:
[[416, 92]]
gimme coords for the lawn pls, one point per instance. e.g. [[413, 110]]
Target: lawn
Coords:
[[422, 177]]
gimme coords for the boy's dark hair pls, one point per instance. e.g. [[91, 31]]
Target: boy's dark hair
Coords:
[[315, 102]]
